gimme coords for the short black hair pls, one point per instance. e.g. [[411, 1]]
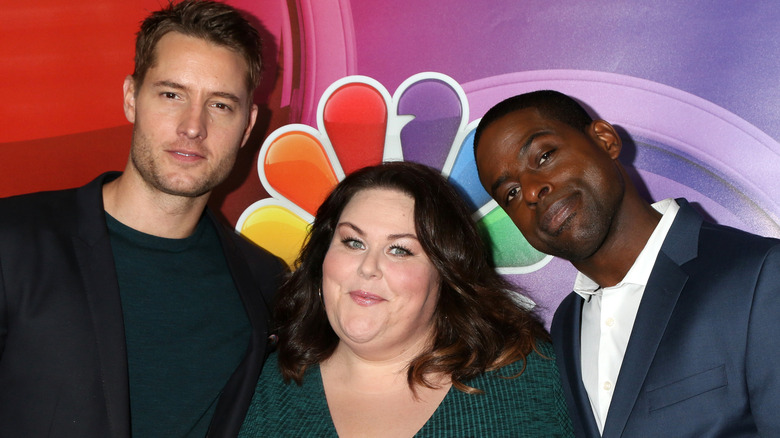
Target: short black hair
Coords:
[[551, 104]]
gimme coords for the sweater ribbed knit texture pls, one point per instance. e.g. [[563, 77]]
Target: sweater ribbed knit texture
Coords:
[[531, 405]]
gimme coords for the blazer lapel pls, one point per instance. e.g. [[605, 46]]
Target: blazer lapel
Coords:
[[240, 388], [566, 339], [96, 262], [664, 286], [657, 305]]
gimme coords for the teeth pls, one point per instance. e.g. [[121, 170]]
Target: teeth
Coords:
[[186, 155]]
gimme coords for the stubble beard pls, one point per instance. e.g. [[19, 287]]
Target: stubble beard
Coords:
[[584, 241], [582, 234], [588, 234], [148, 167]]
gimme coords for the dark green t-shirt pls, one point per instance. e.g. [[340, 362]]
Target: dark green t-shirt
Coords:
[[185, 327]]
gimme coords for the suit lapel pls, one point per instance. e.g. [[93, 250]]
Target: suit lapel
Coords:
[[95, 259], [253, 299], [240, 388], [657, 305], [664, 286], [566, 339]]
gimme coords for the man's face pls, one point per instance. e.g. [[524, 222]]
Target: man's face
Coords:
[[192, 114], [561, 187]]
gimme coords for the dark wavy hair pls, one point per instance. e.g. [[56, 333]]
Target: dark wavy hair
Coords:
[[551, 104], [478, 325], [211, 21]]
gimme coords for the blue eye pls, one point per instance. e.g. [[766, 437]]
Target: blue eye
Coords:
[[352, 243], [399, 251]]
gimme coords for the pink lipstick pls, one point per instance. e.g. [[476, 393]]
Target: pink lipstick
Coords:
[[364, 298]]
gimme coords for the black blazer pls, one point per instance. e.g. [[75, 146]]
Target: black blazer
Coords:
[[702, 359], [63, 362]]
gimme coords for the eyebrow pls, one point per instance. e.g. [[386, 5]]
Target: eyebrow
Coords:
[[389, 237], [523, 149], [177, 86]]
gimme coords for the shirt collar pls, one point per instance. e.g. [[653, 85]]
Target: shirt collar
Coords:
[[640, 271]]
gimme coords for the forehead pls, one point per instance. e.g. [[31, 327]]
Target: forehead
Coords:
[[380, 205], [506, 132], [519, 123], [184, 58], [515, 129]]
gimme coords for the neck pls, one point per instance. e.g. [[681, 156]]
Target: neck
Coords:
[[365, 377], [370, 374], [631, 229], [133, 203]]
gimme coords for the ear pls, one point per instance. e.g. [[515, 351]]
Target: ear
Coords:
[[128, 88], [606, 137], [250, 124]]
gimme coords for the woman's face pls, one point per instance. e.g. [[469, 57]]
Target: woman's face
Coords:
[[379, 287]]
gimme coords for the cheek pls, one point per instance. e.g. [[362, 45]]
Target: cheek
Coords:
[[330, 281], [417, 283], [328, 264], [523, 219], [233, 128], [334, 270], [155, 124]]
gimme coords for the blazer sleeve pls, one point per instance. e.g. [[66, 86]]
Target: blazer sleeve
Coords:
[[763, 346], [3, 312]]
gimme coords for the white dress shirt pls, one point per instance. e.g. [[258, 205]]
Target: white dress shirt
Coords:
[[608, 316]]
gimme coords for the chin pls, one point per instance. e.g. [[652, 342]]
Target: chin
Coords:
[[358, 332], [184, 187], [577, 251]]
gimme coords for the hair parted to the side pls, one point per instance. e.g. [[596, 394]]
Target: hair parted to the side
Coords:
[[551, 104], [212, 21], [478, 326]]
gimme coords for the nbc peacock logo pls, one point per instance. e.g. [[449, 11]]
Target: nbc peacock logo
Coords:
[[360, 124]]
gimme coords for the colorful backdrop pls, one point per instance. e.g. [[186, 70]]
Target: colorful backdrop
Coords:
[[693, 86]]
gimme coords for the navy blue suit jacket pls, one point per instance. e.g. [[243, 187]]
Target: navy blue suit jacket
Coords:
[[63, 362], [703, 359]]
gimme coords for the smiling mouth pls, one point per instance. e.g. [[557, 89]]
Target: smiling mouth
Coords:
[[557, 216], [186, 157], [364, 298]]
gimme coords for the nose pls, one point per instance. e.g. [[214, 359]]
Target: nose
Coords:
[[369, 265], [534, 188], [193, 122]]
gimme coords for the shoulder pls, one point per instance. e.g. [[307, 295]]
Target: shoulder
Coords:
[[725, 235], [29, 223], [525, 385], [533, 377], [250, 264], [537, 368], [248, 249], [287, 409], [272, 392], [57, 209], [528, 405], [716, 238], [729, 251], [712, 253], [33, 207]]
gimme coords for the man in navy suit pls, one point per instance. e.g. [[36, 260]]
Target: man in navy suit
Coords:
[[673, 328], [126, 309]]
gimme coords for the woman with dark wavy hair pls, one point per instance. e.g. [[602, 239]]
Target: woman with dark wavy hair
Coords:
[[394, 324]]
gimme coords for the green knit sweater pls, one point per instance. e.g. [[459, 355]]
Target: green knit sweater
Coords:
[[531, 405]]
